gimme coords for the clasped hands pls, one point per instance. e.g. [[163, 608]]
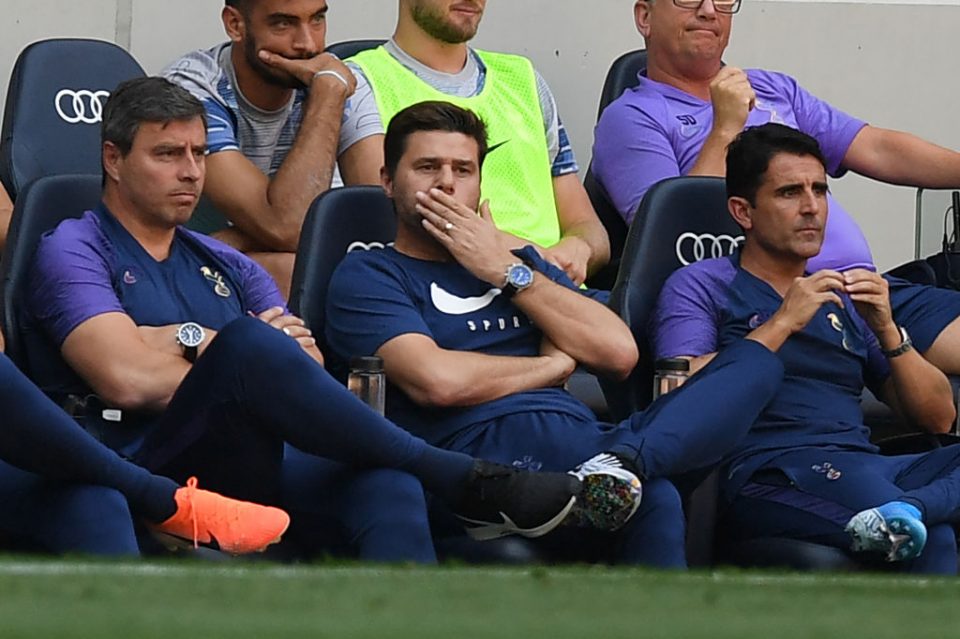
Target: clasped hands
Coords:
[[868, 291]]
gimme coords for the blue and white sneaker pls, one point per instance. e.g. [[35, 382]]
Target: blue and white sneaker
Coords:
[[611, 493], [894, 529]]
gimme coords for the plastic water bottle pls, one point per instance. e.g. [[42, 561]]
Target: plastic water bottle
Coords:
[[669, 374], [367, 381]]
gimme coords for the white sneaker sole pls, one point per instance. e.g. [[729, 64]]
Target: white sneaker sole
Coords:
[[485, 530]]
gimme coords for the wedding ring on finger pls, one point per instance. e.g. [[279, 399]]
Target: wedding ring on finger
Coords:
[[448, 226]]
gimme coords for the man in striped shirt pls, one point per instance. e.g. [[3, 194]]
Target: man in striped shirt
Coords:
[[274, 102]]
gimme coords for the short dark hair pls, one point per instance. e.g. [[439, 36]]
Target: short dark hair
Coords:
[[151, 99], [749, 155], [430, 116], [243, 6]]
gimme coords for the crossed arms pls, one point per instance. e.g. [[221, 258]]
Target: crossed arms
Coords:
[[575, 329], [72, 297], [141, 367]]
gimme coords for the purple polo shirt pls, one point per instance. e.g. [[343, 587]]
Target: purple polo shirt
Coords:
[[655, 131]]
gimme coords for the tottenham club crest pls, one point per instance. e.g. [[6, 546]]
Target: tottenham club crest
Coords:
[[840, 328], [827, 469], [214, 277]]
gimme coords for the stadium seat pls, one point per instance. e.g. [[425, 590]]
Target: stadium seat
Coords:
[[615, 226], [361, 218], [339, 221], [51, 124], [621, 76], [679, 221], [42, 204], [350, 48]]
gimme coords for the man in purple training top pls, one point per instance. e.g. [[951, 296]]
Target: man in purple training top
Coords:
[[688, 107], [806, 469]]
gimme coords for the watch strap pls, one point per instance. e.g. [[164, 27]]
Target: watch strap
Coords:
[[190, 353], [532, 258], [509, 289], [906, 344]]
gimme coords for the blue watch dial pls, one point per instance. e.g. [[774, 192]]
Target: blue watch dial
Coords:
[[190, 334], [520, 276]]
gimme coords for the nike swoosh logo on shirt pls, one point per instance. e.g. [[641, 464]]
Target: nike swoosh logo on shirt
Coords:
[[450, 304], [496, 146]]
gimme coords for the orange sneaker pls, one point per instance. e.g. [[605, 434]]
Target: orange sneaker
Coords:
[[212, 520]]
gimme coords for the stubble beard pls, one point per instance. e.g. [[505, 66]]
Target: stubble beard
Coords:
[[268, 74], [433, 23]]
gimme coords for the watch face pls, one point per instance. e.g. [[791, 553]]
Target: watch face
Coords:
[[190, 334], [520, 276]]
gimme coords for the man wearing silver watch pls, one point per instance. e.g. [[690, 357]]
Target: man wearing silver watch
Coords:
[[807, 469]]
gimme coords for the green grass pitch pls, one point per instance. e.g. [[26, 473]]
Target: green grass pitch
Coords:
[[183, 600]]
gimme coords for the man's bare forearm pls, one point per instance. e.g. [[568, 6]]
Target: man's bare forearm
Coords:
[[922, 392], [306, 172], [596, 239], [449, 379], [902, 158], [584, 329], [712, 160]]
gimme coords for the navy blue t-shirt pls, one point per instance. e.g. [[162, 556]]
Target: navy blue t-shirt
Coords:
[[706, 306], [378, 295], [92, 265]]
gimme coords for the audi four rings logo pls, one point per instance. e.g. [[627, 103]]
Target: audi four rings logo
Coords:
[[693, 247], [76, 106]]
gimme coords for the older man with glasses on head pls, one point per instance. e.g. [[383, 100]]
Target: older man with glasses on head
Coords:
[[689, 106]]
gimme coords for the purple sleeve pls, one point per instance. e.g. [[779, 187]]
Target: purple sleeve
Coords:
[[70, 281], [367, 306], [260, 291], [686, 320], [631, 152], [832, 128]]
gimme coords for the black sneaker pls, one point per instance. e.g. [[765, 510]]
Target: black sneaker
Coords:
[[502, 500]]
